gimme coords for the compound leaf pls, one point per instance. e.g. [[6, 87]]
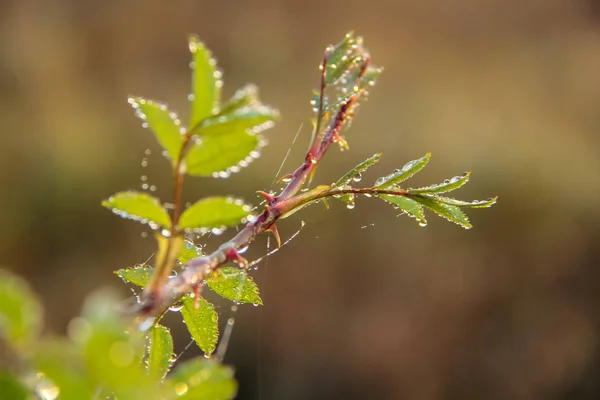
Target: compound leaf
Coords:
[[139, 207], [206, 82], [202, 323], [236, 285]]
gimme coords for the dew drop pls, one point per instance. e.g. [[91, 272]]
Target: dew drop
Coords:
[[176, 307], [166, 233], [144, 178], [422, 224], [357, 177], [242, 250], [147, 152], [350, 206], [447, 181], [153, 188], [144, 234], [145, 186], [379, 181], [191, 97]]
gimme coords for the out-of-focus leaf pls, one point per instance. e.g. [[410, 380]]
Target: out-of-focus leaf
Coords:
[[400, 175], [472, 204], [202, 323], [206, 82], [160, 351], [189, 252], [11, 388], [220, 155], [20, 312], [237, 120], [355, 174], [214, 212], [61, 362], [246, 96], [110, 355], [449, 212], [164, 123], [139, 275], [236, 285], [409, 206], [342, 56], [202, 379], [447, 186], [140, 207]]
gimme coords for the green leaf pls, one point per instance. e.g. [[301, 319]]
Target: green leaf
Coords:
[[238, 120], [60, 361], [139, 207], [139, 275], [20, 312], [449, 212], [164, 123], [447, 186], [214, 213], [160, 351], [189, 252], [202, 379], [472, 204], [409, 206], [342, 56], [356, 172], [221, 155], [202, 323], [110, 354], [400, 175], [246, 96], [11, 388], [236, 285], [206, 82]]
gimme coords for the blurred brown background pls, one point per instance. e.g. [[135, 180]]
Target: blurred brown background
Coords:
[[508, 89]]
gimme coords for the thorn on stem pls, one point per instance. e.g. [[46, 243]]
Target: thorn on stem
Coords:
[[233, 255], [269, 197], [273, 229]]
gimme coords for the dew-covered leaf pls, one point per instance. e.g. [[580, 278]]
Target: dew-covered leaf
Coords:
[[400, 175], [214, 212], [202, 323], [449, 212], [221, 155], [472, 204], [246, 96], [238, 120], [20, 311], [342, 56], [447, 186], [164, 123], [236, 285], [160, 351], [355, 174], [189, 252], [409, 206], [202, 379], [206, 82], [138, 206], [139, 275]]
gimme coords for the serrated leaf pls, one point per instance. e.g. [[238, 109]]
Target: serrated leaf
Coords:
[[202, 379], [400, 175], [357, 171], [236, 285], [447, 186], [202, 323], [214, 212], [139, 275], [237, 120], [246, 96], [20, 311], [189, 252], [206, 83], [226, 152], [139, 207], [449, 212], [472, 204], [160, 351], [341, 57], [164, 123], [409, 206]]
